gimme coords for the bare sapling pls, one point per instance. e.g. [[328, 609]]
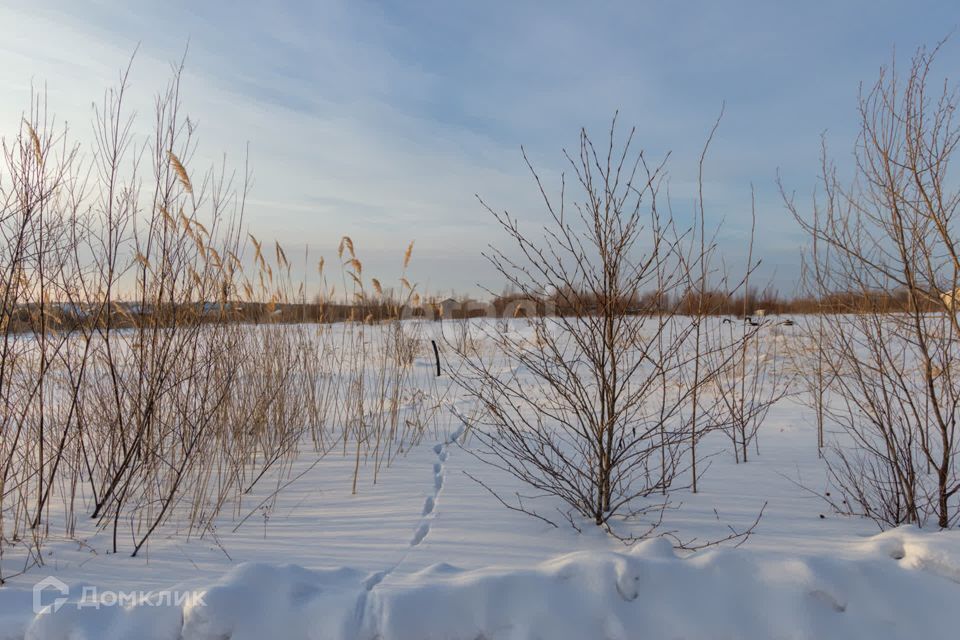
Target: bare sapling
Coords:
[[892, 268], [591, 404]]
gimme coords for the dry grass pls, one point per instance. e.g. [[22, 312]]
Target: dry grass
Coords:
[[155, 363]]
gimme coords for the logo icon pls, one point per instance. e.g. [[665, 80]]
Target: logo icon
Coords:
[[49, 584]]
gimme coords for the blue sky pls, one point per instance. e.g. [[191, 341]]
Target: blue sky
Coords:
[[382, 120]]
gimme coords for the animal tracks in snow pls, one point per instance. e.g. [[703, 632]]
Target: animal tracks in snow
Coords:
[[420, 534], [428, 505], [439, 475], [426, 517]]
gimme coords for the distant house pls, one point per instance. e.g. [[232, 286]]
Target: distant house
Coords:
[[449, 308], [73, 310]]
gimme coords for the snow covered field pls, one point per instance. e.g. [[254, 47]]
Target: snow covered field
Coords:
[[427, 552]]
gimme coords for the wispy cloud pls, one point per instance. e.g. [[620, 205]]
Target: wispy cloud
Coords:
[[382, 120]]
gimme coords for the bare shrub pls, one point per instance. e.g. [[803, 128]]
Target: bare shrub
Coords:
[[892, 361], [592, 404]]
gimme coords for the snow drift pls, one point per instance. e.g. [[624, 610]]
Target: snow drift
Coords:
[[901, 584]]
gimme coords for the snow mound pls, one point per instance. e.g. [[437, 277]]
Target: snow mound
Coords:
[[900, 584]]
